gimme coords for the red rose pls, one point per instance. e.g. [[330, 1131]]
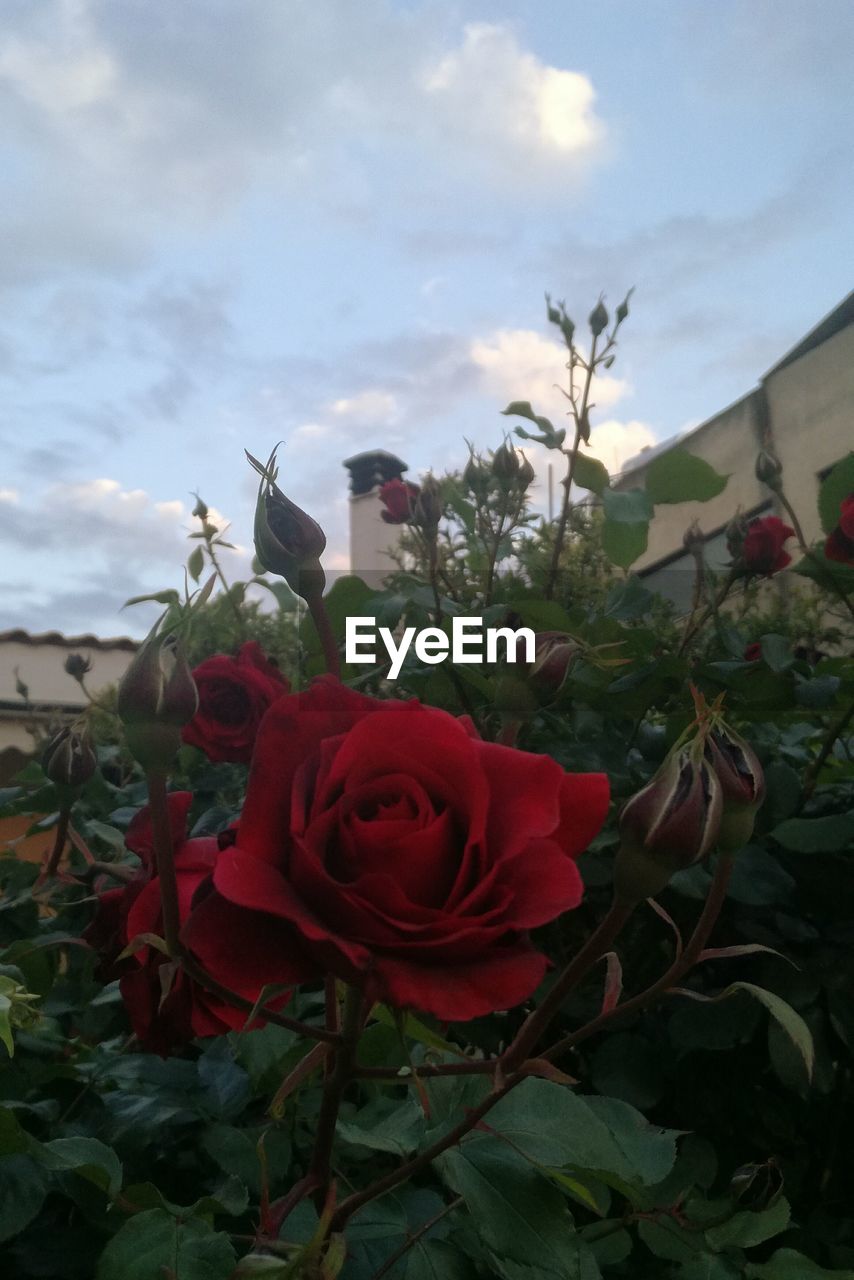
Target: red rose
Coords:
[[406, 854], [753, 652], [398, 497], [762, 549], [234, 693], [840, 543], [188, 1009]]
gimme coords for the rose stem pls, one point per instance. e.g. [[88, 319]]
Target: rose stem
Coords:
[[696, 943], [340, 1076], [58, 841], [195, 971], [836, 730], [594, 948], [164, 859], [317, 609], [710, 913], [412, 1240]]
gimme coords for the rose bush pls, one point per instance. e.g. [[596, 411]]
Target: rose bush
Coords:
[[401, 852], [840, 542], [234, 693]]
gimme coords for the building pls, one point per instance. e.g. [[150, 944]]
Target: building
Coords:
[[37, 663], [371, 539], [802, 409]]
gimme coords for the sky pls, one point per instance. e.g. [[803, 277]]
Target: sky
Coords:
[[226, 224]]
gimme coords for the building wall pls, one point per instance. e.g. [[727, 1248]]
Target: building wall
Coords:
[[371, 538]]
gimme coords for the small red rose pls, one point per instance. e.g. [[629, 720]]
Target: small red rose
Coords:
[[403, 853], [398, 497], [234, 694], [166, 1009], [762, 550], [840, 543], [753, 652]]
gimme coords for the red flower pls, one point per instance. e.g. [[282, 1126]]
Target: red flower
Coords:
[[398, 497], [762, 549], [234, 693], [840, 543], [160, 1021], [753, 652], [404, 853]]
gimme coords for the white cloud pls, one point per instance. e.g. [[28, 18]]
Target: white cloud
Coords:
[[371, 407], [614, 442], [508, 99], [9, 495], [520, 364]]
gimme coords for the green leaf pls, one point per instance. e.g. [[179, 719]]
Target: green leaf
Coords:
[[787, 1264], [835, 488], [746, 1229], [154, 1244], [590, 473], [516, 1212], [707, 1266], [623, 543], [397, 1132], [87, 1157], [832, 834], [790, 1021], [522, 409], [777, 652], [196, 563], [23, 1187], [680, 476], [627, 506], [555, 1127]]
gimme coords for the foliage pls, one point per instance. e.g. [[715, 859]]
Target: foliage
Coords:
[[617, 1156]]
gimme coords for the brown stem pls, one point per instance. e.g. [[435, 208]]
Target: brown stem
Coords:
[[59, 841], [412, 1240], [681, 965], [594, 948], [164, 858], [195, 971], [560, 531], [317, 609], [708, 612], [429, 1070], [320, 1169], [241, 621]]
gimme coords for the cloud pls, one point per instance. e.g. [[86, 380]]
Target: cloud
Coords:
[[371, 407], [614, 442], [509, 102], [521, 364]]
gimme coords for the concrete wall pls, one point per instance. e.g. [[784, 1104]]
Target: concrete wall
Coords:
[[371, 538]]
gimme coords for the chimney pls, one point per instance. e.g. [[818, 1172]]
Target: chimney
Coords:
[[371, 538]]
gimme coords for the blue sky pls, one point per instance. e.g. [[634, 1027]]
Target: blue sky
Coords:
[[226, 224]]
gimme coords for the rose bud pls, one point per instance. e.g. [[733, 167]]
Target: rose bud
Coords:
[[762, 550], [526, 473], [476, 476], [554, 655], [68, 759], [505, 463], [735, 533], [200, 510], [156, 697], [598, 319], [428, 507], [669, 825], [769, 469], [757, 1187], [623, 309], [77, 666], [287, 541], [398, 497], [742, 783]]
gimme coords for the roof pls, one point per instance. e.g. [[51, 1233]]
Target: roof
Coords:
[[55, 638], [839, 318]]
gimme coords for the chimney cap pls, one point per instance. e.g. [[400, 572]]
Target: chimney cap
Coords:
[[375, 467]]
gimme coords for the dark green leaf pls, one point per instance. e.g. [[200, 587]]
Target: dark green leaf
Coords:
[[88, 1157], [153, 1244], [23, 1187], [680, 476], [624, 543], [590, 473], [787, 1264], [816, 835], [835, 488], [627, 506]]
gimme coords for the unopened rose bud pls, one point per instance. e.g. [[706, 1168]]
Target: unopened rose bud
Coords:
[[476, 476], [200, 510], [757, 1187], [669, 825], [598, 319], [623, 309], [287, 541], [554, 654], [735, 533], [526, 473], [742, 784], [505, 463], [693, 538], [428, 507], [769, 469], [156, 697], [68, 759], [77, 666]]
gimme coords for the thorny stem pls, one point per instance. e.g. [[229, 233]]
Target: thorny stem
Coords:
[[199, 974], [59, 841], [333, 1090], [320, 616], [241, 621], [834, 732], [594, 948], [681, 965], [579, 412], [165, 860], [711, 609]]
